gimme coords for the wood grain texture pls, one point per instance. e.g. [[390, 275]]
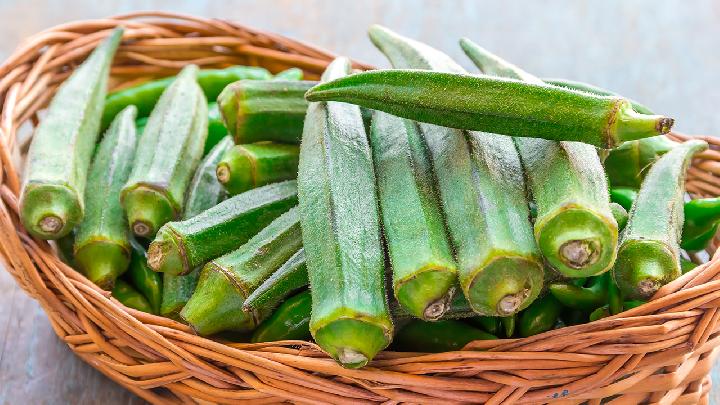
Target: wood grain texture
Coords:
[[661, 56]]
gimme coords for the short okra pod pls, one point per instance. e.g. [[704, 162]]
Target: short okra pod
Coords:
[[130, 297], [686, 265], [287, 279], [148, 282], [437, 337], [168, 153], [649, 254], [53, 192], [102, 246], [290, 321], [574, 228], [245, 167], [181, 246]]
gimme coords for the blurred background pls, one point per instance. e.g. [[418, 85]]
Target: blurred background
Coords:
[[663, 53]]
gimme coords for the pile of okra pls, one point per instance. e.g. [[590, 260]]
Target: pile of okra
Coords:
[[417, 208]]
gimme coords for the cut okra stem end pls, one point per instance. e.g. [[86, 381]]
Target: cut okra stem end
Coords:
[[505, 286], [643, 267], [223, 173], [427, 295], [49, 211], [352, 342], [166, 255], [147, 210], [102, 262]]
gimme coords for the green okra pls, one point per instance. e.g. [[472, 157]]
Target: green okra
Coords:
[[540, 316], [102, 246], [144, 96], [169, 150], [495, 105], [290, 321], [574, 227], [437, 337], [583, 298], [649, 253], [53, 192], [490, 324], [627, 164], [130, 297], [292, 74], [686, 265], [615, 299], [181, 246], [509, 325], [481, 188], [623, 196], [65, 249], [287, 279], [268, 110], [602, 312], [216, 128], [589, 88], [245, 167], [620, 214], [146, 281], [341, 232], [424, 270], [225, 282], [203, 193], [702, 217]]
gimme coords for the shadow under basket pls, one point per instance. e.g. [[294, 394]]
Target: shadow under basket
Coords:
[[661, 352]]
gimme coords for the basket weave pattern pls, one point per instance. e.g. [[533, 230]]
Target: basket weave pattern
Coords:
[[660, 352]]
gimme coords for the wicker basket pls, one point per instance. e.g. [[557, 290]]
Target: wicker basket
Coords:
[[660, 352]]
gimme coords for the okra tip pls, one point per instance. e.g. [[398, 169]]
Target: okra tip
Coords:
[[427, 295], [631, 125], [102, 262], [504, 286], [352, 342], [147, 210], [166, 255], [643, 266]]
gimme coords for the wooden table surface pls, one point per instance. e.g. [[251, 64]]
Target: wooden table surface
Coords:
[[663, 54]]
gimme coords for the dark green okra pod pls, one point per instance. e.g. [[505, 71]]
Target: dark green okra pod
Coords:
[[341, 232], [245, 167], [481, 188], [574, 227], [130, 297], [437, 337], [583, 298], [623, 196], [290, 321], [169, 150], [226, 281], [149, 283], [183, 245], [53, 192], [589, 88], [424, 270], [540, 316], [102, 247], [649, 254], [290, 277], [144, 96]]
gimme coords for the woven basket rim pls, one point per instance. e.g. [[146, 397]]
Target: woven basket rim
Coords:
[[659, 352]]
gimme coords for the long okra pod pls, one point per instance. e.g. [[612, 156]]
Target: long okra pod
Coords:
[[424, 270], [574, 227], [589, 88], [245, 167], [290, 277], [183, 245], [495, 105], [102, 247], [481, 188], [169, 150], [226, 281], [649, 254], [341, 232], [51, 203]]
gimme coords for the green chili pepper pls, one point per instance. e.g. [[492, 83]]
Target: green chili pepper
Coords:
[[145, 95], [602, 312], [130, 297], [290, 321], [65, 249], [508, 324], [686, 265], [436, 337], [148, 282], [701, 222], [582, 298], [615, 304], [540, 316], [490, 324], [623, 196], [627, 164]]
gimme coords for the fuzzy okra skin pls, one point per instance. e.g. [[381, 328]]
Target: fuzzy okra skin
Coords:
[[290, 277], [495, 105], [181, 246], [245, 167], [627, 164], [482, 191], [649, 253], [268, 110], [341, 232], [51, 203], [102, 247], [169, 150], [589, 88], [574, 227], [424, 270], [225, 282]]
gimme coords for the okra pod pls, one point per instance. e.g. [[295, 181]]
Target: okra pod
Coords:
[[146, 281], [686, 265], [437, 337], [490, 324], [424, 270], [481, 188], [574, 226], [495, 105], [341, 232], [627, 164], [169, 150], [702, 217], [291, 74], [509, 325], [130, 297], [649, 254], [102, 246], [623, 196], [216, 128], [583, 298], [225, 282], [245, 167], [181, 246], [540, 316], [144, 96], [589, 88], [602, 312], [620, 214], [177, 291], [290, 277], [290, 321], [51, 202], [268, 110]]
